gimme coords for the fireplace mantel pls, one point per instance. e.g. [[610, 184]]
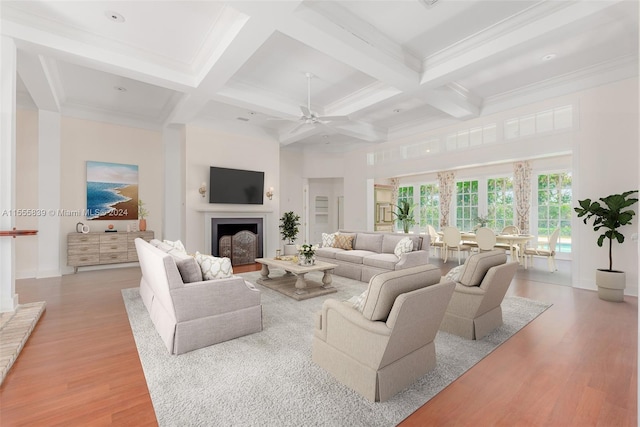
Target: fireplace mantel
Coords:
[[232, 209]]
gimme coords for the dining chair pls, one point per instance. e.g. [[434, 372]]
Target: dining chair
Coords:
[[453, 242], [485, 239], [510, 229], [549, 252], [435, 241]]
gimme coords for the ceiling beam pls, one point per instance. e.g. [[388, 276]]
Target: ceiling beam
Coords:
[[454, 100], [38, 76]]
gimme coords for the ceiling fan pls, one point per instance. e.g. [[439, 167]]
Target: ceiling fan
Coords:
[[308, 116]]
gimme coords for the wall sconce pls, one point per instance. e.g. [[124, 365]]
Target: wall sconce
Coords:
[[203, 189], [270, 193]]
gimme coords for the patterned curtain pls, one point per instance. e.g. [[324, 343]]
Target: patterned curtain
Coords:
[[522, 188], [446, 184]]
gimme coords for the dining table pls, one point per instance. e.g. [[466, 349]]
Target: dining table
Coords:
[[513, 240]]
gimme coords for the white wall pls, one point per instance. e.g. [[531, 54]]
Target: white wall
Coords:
[[253, 151], [85, 140], [606, 162], [27, 191]]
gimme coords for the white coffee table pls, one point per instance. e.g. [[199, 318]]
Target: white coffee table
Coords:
[[303, 287]]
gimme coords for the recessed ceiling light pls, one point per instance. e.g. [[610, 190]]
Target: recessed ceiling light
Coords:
[[397, 110], [120, 88], [114, 16], [549, 57], [252, 113]]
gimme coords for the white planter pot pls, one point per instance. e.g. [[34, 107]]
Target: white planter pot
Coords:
[[611, 285], [290, 250]]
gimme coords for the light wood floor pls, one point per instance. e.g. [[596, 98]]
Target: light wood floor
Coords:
[[575, 365]]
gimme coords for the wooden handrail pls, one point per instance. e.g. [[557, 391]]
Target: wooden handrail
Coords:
[[14, 233]]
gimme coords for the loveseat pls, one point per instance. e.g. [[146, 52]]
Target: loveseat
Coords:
[[371, 253], [188, 312], [385, 343]]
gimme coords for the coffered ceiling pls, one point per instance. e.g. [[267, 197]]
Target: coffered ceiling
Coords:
[[394, 68]]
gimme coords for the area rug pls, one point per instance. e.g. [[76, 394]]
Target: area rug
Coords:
[[268, 378]]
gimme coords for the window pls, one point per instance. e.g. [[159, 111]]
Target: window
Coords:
[[554, 208], [543, 121], [429, 206], [404, 193], [500, 202], [466, 204]]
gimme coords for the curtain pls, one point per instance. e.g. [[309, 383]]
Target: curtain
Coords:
[[395, 184], [522, 189], [446, 184]]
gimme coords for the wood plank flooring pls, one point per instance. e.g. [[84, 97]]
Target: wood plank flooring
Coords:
[[575, 365]]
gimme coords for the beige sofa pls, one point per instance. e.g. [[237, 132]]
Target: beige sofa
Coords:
[[386, 347], [373, 253], [193, 315], [475, 307]]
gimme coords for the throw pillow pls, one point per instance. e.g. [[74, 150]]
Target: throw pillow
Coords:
[[188, 267], [214, 267], [359, 300], [176, 245], [328, 240], [343, 241], [403, 246], [455, 273]]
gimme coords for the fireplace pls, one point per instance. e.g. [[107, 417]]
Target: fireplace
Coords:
[[240, 239]]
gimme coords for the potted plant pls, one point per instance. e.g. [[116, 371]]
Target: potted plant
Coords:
[[142, 214], [405, 214], [289, 230], [610, 216]]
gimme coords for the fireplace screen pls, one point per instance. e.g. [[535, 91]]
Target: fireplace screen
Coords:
[[241, 248]]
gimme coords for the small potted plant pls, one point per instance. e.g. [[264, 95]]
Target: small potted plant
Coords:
[[142, 215], [306, 254], [289, 230], [405, 215], [613, 215]]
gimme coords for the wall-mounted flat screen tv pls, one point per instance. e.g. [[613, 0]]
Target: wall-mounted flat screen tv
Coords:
[[235, 186]]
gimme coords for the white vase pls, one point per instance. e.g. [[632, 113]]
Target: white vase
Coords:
[[290, 250]]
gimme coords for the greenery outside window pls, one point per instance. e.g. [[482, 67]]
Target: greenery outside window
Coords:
[[466, 204], [429, 206], [500, 202], [555, 208]]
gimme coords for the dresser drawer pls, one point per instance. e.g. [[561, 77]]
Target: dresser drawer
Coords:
[[113, 247], [83, 249], [113, 238], [109, 258], [133, 255], [83, 259], [79, 238]]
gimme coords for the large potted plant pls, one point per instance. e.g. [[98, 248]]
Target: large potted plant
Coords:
[[610, 217], [405, 215], [289, 230]]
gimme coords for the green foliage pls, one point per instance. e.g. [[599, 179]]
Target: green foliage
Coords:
[[289, 226], [404, 214], [611, 216], [142, 211]]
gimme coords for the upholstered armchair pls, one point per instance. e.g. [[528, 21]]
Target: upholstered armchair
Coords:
[[475, 307], [384, 348]]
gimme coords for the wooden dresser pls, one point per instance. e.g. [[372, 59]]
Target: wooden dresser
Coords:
[[103, 248]]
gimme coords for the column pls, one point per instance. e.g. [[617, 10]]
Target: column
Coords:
[[49, 176]]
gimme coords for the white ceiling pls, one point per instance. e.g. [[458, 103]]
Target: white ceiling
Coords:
[[394, 67]]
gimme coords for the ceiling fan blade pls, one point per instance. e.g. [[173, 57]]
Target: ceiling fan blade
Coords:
[[334, 118], [305, 111], [295, 129]]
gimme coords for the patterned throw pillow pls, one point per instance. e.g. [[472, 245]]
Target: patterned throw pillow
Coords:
[[404, 245], [176, 245], [455, 273], [359, 300], [328, 240], [343, 241], [214, 267]]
